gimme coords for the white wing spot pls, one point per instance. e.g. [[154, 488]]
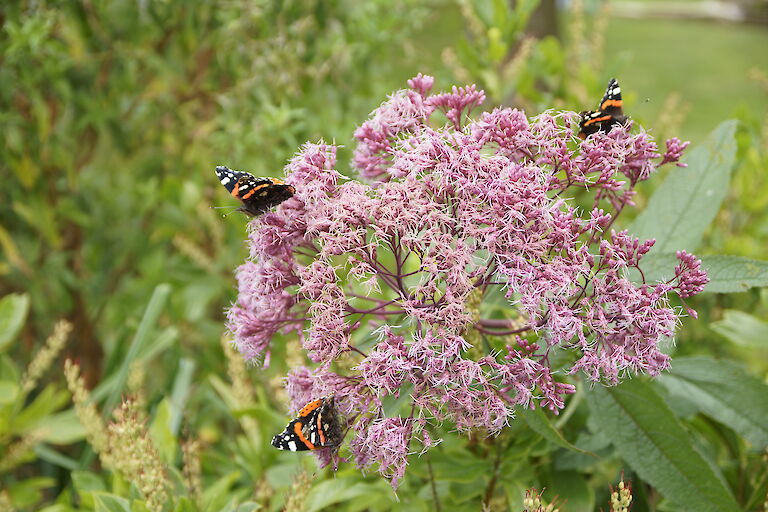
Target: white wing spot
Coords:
[[292, 446]]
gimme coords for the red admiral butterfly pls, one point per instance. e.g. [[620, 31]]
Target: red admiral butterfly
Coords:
[[257, 194], [608, 115], [316, 427]]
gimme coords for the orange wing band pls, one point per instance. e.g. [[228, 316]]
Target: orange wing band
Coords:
[[300, 434], [610, 103], [311, 406], [597, 120]]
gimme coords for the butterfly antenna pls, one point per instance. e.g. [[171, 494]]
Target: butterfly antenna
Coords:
[[234, 209]]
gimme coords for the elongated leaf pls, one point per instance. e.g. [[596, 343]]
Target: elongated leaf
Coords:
[[649, 438], [151, 314], [182, 385], [727, 274], [165, 441], [13, 311], [50, 455], [62, 428], [539, 423], [724, 391], [684, 205], [742, 329]]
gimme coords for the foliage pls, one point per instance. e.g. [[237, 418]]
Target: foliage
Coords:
[[113, 117]]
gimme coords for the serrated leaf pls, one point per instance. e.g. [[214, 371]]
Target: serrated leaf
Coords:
[[724, 391], [13, 312], [742, 329], [539, 423], [684, 205], [646, 434]]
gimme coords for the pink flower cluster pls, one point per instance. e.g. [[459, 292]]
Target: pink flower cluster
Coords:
[[452, 278]]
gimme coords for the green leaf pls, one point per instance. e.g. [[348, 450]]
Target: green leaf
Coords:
[[161, 432], [339, 490], [29, 491], [50, 455], [724, 391], [85, 481], [742, 329], [539, 423], [35, 414], [573, 487], [139, 506], [141, 338], [8, 392], [184, 504], [215, 495], [13, 312], [110, 503], [63, 428], [728, 274], [248, 506], [398, 406], [182, 385], [645, 432], [684, 205]]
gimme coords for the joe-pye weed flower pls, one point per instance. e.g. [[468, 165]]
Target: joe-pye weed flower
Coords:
[[387, 272]]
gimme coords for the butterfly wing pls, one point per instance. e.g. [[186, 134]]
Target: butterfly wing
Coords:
[[612, 104], [257, 194], [299, 434], [609, 114], [591, 122], [316, 427], [229, 177]]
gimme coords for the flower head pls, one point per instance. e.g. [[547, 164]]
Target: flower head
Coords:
[[468, 234]]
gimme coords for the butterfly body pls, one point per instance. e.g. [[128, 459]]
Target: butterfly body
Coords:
[[258, 195], [610, 113], [317, 426]]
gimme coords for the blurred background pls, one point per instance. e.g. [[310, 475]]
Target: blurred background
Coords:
[[114, 115]]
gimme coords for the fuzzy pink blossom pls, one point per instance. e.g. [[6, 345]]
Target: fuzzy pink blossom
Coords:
[[408, 289], [691, 278], [675, 148], [384, 442]]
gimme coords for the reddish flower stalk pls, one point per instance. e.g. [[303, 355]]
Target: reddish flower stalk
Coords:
[[459, 211]]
